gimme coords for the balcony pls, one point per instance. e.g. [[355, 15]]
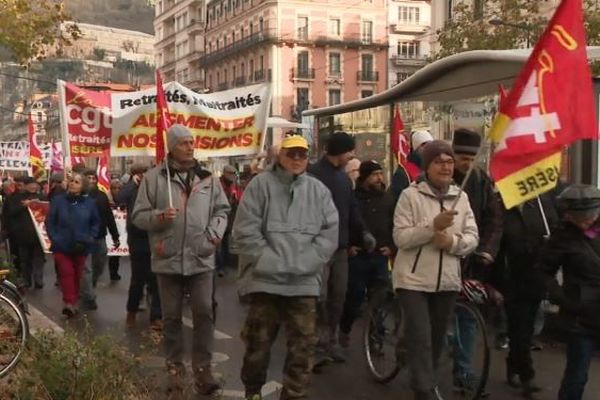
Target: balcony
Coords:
[[261, 75], [196, 26], [408, 28], [235, 47], [408, 60], [239, 81], [350, 41], [367, 76], [168, 36], [303, 74], [222, 86], [296, 111]]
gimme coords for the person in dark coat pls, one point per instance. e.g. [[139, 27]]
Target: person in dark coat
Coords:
[[9, 227], [233, 190], [73, 224], [139, 255], [527, 227], [100, 254], [410, 171], [487, 208], [574, 248], [58, 185], [30, 250], [369, 273], [330, 170]]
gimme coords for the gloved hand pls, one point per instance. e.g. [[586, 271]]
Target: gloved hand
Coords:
[[369, 241]]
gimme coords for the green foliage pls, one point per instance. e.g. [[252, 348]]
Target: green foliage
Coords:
[[66, 367], [29, 29], [470, 28], [99, 53]]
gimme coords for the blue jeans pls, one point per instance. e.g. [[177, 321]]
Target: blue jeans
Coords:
[[580, 350], [92, 271], [368, 273], [463, 341]]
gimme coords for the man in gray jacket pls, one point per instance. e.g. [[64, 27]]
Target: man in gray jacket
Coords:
[[183, 239], [285, 231]]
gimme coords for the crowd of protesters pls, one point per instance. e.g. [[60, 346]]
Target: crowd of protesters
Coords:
[[311, 243]]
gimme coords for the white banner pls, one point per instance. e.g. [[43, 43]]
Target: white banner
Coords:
[[15, 155]]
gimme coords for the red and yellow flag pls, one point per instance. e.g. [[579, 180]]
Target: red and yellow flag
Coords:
[[162, 124], [550, 106], [102, 172], [35, 154]]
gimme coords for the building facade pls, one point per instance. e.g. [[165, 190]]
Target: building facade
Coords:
[[409, 25], [179, 40]]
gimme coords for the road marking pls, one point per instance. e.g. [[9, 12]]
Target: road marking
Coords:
[[218, 334]]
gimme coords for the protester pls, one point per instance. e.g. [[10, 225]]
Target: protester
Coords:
[[58, 184], [405, 174], [331, 171], [233, 191], [139, 255], [113, 261], [285, 232], [431, 238], [487, 209], [574, 248], [368, 271], [10, 227], [184, 237], [94, 270], [526, 229], [73, 224], [30, 250]]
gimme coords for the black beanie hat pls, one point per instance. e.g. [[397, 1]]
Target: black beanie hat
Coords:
[[340, 143], [466, 142], [367, 168], [434, 149]]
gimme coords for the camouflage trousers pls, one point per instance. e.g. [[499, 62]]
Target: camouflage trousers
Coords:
[[266, 315]]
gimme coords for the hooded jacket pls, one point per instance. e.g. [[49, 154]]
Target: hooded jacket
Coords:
[[182, 246], [285, 231], [419, 265]]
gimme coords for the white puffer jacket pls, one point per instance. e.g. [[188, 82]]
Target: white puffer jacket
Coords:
[[419, 265]]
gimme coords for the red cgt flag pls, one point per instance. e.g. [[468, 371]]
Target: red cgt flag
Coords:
[[35, 154], [550, 106], [102, 172], [401, 147], [162, 111]]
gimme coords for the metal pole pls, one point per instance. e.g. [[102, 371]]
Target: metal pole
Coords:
[[544, 219]]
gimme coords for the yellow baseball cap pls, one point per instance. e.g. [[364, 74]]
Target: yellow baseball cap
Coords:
[[294, 141]]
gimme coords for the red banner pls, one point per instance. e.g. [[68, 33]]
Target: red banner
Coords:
[[35, 154]]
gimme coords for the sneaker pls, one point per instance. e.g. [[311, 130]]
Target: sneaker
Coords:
[[344, 340], [206, 383], [501, 343], [90, 305], [536, 346], [437, 394], [69, 311], [469, 382], [335, 353]]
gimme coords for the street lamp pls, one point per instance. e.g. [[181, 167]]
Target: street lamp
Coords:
[[497, 21]]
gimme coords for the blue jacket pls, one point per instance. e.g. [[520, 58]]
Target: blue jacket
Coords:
[[72, 219]]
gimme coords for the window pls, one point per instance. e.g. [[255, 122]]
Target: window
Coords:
[[218, 78], [335, 27], [409, 15], [224, 41], [234, 73], [225, 75], [367, 63], [367, 32], [302, 99], [409, 49], [251, 29], [302, 62], [302, 25], [261, 24], [185, 74], [262, 63], [401, 76], [335, 64], [251, 69], [210, 81], [335, 97], [366, 93]]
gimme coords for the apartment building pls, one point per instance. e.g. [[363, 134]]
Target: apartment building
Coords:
[[409, 23], [315, 53], [179, 40]]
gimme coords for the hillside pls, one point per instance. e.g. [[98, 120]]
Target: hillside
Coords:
[[127, 14]]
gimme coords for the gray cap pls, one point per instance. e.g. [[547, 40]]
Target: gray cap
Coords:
[[175, 133], [579, 197], [230, 169]]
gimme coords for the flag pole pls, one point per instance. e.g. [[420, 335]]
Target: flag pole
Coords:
[[166, 161], [467, 176], [544, 218]]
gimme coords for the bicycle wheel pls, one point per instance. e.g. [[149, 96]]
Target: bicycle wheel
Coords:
[[382, 335], [464, 369], [14, 332], [11, 291]]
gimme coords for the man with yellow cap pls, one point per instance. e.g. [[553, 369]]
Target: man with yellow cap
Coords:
[[285, 231]]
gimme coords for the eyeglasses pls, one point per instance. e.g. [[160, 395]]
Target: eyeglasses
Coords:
[[300, 154]]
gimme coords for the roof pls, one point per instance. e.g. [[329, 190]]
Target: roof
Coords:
[[114, 87], [456, 77]]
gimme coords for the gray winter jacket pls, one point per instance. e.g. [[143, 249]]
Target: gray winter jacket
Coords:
[[285, 231], [181, 246]]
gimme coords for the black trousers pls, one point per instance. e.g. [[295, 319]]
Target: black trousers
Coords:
[[520, 315], [141, 275], [113, 266]]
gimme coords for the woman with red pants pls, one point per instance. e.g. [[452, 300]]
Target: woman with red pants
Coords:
[[72, 225]]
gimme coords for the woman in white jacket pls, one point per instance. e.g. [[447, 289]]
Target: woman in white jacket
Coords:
[[431, 238]]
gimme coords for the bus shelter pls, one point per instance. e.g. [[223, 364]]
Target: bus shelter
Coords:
[[472, 79]]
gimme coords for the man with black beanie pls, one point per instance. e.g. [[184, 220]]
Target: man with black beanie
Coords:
[[368, 270], [331, 171], [487, 207]]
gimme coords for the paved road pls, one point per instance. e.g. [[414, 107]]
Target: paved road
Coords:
[[343, 381]]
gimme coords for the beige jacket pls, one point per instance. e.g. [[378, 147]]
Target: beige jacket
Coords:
[[419, 265]]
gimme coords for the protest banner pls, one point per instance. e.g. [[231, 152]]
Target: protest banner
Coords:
[[38, 210], [228, 123], [15, 155]]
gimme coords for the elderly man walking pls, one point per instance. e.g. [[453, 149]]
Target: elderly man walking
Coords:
[[183, 239], [285, 232]]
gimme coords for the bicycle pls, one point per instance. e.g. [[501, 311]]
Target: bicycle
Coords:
[[386, 354], [14, 326]]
